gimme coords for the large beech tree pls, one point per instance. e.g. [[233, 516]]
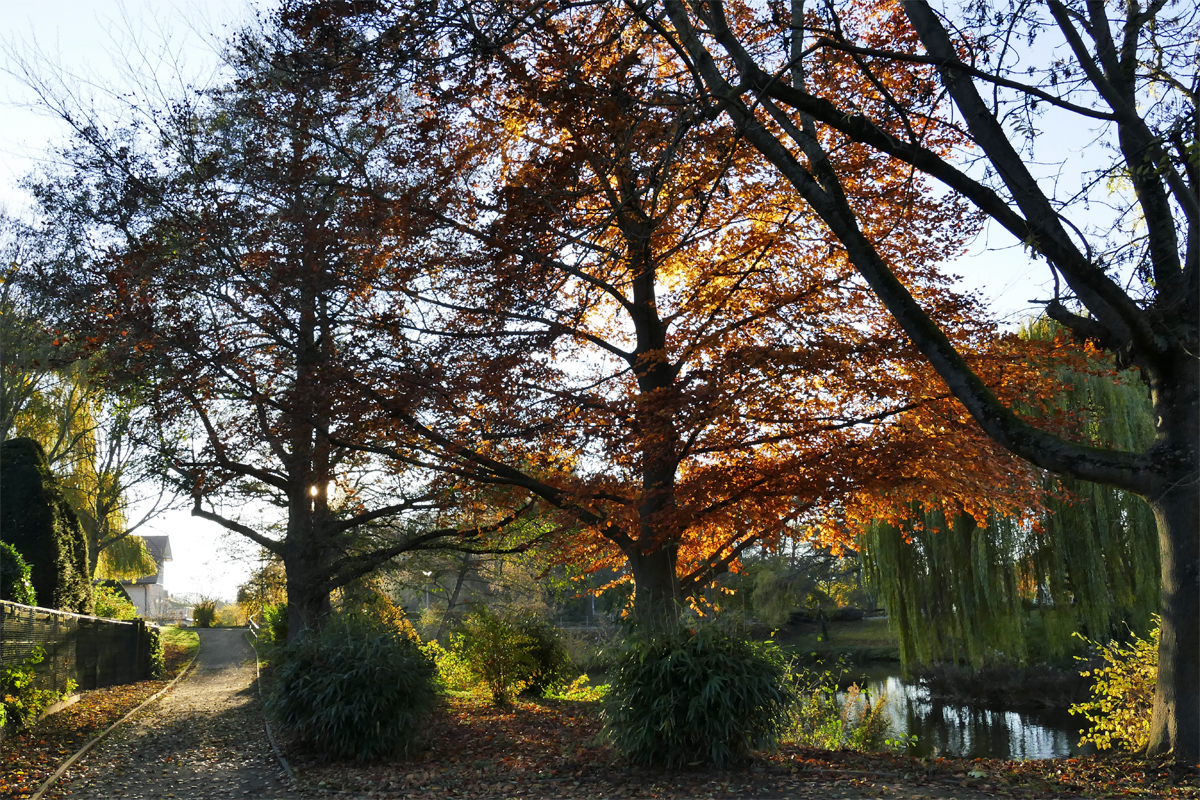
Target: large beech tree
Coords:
[[222, 258], [802, 81], [643, 329]]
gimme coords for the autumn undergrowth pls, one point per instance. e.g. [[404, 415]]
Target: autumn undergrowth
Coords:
[[1122, 692], [21, 700], [826, 717]]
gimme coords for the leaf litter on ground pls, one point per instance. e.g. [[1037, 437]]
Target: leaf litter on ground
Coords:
[[553, 749], [29, 757]]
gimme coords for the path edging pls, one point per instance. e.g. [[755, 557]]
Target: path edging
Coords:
[[287, 768], [70, 762]]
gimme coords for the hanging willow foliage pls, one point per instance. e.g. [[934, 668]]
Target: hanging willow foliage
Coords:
[[974, 594]]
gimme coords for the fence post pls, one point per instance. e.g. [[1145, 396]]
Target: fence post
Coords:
[[141, 651]]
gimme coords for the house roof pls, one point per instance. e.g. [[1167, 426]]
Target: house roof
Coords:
[[160, 550]]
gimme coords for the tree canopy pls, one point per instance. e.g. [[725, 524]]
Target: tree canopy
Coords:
[[1128, 282]]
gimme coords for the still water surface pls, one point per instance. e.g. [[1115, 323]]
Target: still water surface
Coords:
[[954, 730]]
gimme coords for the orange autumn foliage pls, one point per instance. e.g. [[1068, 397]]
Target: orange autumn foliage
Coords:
[[650, 334]]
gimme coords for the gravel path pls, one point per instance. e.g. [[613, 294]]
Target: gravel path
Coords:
[[203, 740]]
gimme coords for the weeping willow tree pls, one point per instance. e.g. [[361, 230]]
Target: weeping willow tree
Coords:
[[90, 444], [974, 592]]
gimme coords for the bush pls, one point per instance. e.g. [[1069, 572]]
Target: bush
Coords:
[[1122, 692], [158, 652], [552, 666], [38, 521], [512, 655], [452, 670], [275, 622], [498, 653], [15, 582], [681, 696], [20, 701], [205, 614], [822, 720], [356, 688], [112, 603]]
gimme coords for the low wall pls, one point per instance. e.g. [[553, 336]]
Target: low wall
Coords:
[[91, 651]]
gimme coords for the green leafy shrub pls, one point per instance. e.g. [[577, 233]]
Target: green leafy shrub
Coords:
[[453, 672], [356, 688], [16, 584], [158, 652], [498, 652], [509, 655], [822, 719], [112, 603], [680, 696], [552, 666], [1122, 692], [205, 614], [20, 700], [275, 623]]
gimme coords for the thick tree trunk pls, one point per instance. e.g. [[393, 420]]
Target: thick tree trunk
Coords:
[[307, 606], [655, 585], [1175, 723], [305, 561]]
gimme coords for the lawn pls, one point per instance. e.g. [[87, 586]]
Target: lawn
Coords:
[[183, 642]]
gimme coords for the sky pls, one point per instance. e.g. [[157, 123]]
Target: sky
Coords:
[[98, 43], [92, 47]]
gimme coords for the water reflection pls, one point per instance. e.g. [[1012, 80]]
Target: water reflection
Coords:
[[954, 730]]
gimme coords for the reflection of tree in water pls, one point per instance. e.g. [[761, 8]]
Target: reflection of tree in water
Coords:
[[958, 730]]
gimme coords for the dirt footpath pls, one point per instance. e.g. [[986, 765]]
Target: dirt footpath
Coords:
[[203, 739]]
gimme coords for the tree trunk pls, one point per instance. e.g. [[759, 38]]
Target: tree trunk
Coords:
[[304, 563], [1175, 723], [655, 585], [307, 607]]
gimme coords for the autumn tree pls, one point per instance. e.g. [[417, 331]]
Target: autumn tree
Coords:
[[640, 327], [221, 255], [802, 81]]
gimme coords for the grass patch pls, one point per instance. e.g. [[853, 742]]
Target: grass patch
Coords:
[[185, 641]]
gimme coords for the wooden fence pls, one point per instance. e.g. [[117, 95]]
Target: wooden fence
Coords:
[[91, 651]]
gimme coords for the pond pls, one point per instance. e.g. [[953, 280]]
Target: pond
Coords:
[[966, 731]]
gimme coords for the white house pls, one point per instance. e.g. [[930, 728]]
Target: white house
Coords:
[[148, 593]]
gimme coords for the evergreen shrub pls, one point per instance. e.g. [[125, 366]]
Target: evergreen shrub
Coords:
[[357, 688], [37, 520], [680, 696], [158, 652], [15, 582], [204, 614]]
